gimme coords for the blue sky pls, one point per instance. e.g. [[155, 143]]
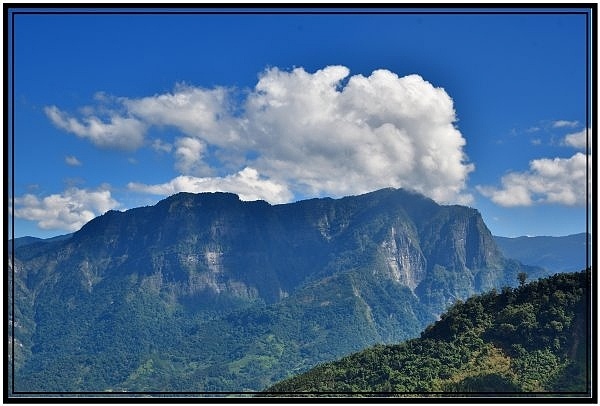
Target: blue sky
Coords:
[[118, 111]]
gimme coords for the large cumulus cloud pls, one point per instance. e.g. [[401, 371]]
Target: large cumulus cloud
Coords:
[[323, 137], [321, 133]]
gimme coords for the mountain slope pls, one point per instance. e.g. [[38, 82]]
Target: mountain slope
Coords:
[[530, 339], [557, 254], [208, 293]]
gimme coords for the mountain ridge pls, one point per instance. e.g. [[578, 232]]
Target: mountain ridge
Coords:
[[244, 291], [559, 254]]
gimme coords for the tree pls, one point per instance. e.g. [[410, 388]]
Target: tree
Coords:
[[522, 277]]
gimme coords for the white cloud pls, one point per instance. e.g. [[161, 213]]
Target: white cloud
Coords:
[[120, 132], [189, 153], [72, 161], [246, 183], [197, 112], [551, 181], [321, 133], [160, 146], [564, 123], [204, 116], [578, 139], [67, 211], [374, 132]]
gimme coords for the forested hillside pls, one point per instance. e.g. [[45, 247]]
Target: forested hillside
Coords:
[[534, 338]]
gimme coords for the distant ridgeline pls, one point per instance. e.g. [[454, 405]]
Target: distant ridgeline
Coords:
[[535, 338], [204, 292], [557, 254]]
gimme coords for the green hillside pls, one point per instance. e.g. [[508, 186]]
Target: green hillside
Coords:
[[531, 339]]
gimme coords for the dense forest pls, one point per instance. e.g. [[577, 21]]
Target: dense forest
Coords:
[[531, 339]]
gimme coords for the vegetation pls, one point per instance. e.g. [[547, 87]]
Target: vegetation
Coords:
[[531, 339], [203, 293], [125, 337]]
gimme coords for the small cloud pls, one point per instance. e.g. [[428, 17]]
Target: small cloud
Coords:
[[247, 184], [565, 123], [513, 194], [73, 181], [67, 211], [102, 96], [119, 132], [536, 141], [551, 181], [579, 139], [160, 146], [532, 130], [132, 161], [197, 112], [189, 153], [72, 161]]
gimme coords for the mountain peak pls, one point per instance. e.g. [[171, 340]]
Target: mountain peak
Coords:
[[203, 196]]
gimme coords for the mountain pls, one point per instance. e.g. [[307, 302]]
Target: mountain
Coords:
[[557, 254], [204, 292], [534, 338], [23, 241]]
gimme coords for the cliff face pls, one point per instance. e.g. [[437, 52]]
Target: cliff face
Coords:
[[216, 244], [405, 261], [383, 264]]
